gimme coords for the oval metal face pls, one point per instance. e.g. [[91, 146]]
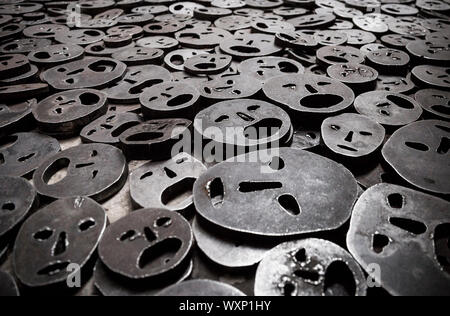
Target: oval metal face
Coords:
[[167, 184], [393, 226], [139, 56], [90, 72], [65, 113], [94, 170], [436, 102], [17, 197], [56, 54], [309, 93], [331, 55], [309, 267], [352, 135], [250, 45], [244, 123], [227, 87], [265, 68], [391, 109], [146, 243], [201, 288], [63, 233], [275, 194], [22, 153], [432, 76], [169, 99], [419, 153], [13, 117], [208, 64], [202, 37]]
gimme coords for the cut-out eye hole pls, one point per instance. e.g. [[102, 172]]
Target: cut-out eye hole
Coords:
[[180, 161], [290, 204], [396, 200], [253, 108], [289, 289], [163, 222], [86, 224], [149, 234], [300, 255], [365, 133], [43, 234], [129, 235], [170, 173], [146, 175], [417, 146], [379, 242], [410, 225], [216, 191]]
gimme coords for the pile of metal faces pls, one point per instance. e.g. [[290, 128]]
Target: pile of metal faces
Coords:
[[225, 147]]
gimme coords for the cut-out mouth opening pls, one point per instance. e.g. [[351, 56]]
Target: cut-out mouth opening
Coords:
[[104, 66], [246, 49], [159, 254], [379, 242], [144, 137], [178, 193], [249, 187], [339, 280], [321, 101], [409, 225], [56, 172], [336, 59], [54, 268], [144, 85], [180, 100], [206, 66]]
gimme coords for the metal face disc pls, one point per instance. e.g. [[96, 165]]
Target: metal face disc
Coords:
[[108, 128], [352, 135], [22, 153], [313, 21], [359, 37], [387, 108], [63, 233], [159, 42], [233, 23], [309, 93], [66, 113], [13, 64], [201, 288], [97, 171], [250, 45], [356, 76], [208, 64], [436, 102], [432, 76], [388, 61], [265, 68], [16, 201], [176, 59], [8, 286], [227, 87], [419, 154], [164, 27], [170, 99], [167, 184], [394, 226], [153, 242], [430, 52], [26, 45], [56, 54], [136, 56], [45, 30], [288, 203], [202, 37], [331, 55], [136, 80], [184, 7], [153, 140], [271, 26], [309, 267], [90, 72], [395, 84]]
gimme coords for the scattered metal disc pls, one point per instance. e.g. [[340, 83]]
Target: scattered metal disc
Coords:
[[90, 72], [228, 4], [151, 9], [159, 42], [309, 93], [56, 54], [272, 26], [227, 87], [201, 288], [352, 135], [167, 184], [331, 55], [136, 80], [136, 56], [153, 140], [164, 27], [359, 38], [13, 64], [369, 48], [22, 46], [408, 29], [296, 40], [330, 38], [358, 77], [81, 37], [15, 117], [435, 102], [397, 9], [395, 84], [388, 108], [170, 99], [8, 286], [97, 171], [419, 153], [176, 59], [388, 61], [208, 64], [289, 202], [108, 128], [20, 8], [202, 37], [265, 68], [393, 225], [45, 30], [432, 76], [17, 199], [309, 267], [66, 113], [154, 242], [371, 24], [430, 52], [10, 30], [21, 92], [22, 153], [184, 7], [136, 18], [63, 233], [251, 45], [313, 21], [257, 124], [234, 22], [134, 31], [111, 284]]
